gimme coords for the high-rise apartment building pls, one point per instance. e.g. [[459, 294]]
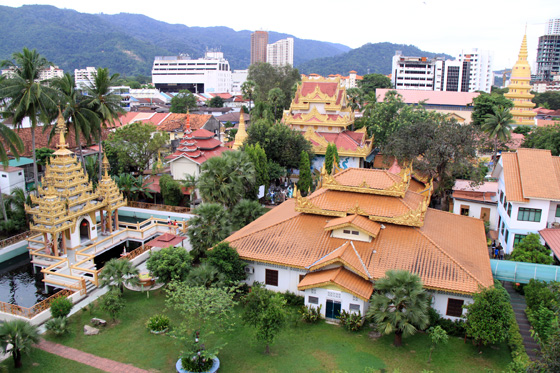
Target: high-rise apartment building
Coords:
[[471, 72], [259, 41], [281, 53], [548, 53]]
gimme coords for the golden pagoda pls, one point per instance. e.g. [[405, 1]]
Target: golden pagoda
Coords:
[[519, 88], [241, 134], [65, 206]]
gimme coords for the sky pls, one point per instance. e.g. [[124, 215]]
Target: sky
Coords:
[[442, 26]]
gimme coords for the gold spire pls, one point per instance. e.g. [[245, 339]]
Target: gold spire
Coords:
[[241, 134], [106, 167], [61, 130]]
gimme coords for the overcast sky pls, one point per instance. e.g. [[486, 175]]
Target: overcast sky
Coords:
[[432, 25]]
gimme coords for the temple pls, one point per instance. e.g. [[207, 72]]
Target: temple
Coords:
[[65, 206], [331, 246], [320, 110], [519, 89]]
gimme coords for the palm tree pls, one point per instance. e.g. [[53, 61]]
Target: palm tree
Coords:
[[15, 145], [210, 225], [106, 105], [205, 275], [118, 272], [399, 304], [26, 95], [76, 113], [18, 336], [248, 90], [91, 169], [245, 212], [227, 178], [190, 183], [498, 127]]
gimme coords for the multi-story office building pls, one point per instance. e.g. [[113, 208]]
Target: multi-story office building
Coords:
[[208, 74], [45, 74], [84, 76], [238, 77], [471, 72], [548, 53], [281, 53], [259, 41]]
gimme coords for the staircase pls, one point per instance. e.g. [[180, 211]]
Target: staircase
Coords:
[[519, 305]]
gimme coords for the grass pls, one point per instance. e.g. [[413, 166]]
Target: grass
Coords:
[[41, 361], [299, 348]]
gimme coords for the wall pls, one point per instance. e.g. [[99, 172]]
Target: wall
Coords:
[[326, 293], [288, 278], [475, 209], [11, 180], [439, 302], [183, 166]]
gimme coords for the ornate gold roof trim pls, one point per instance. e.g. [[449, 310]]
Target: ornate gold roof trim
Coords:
[[322, 119], [396, 190], [412, 218]]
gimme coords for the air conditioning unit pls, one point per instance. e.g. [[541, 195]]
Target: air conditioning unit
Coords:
[[249, 270]]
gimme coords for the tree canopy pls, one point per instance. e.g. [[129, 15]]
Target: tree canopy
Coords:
[[170, 264], [226, 260], [549, 100], [267, 77], [530, 250], [182, 102], [134, 147], [484, 104], [216, 101], [370, 82], [544, 138], [210, 225]]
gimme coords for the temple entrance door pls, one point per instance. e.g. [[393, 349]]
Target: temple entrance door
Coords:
[[333, 309], [84, 230]]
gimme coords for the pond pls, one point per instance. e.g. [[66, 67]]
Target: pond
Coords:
[[18, 284]]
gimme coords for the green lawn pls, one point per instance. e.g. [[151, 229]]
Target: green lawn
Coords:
[[301, 347], [41, 361]]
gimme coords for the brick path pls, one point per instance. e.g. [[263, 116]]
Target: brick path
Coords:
[[101, 363]]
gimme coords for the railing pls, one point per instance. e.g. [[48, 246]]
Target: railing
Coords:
[[137, 252], [151, 206], [18, 237], [36, 309]]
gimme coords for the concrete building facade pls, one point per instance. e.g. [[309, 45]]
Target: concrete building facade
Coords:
[[281, 53], [259, 41]]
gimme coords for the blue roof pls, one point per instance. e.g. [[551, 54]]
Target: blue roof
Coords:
[[22, 162]]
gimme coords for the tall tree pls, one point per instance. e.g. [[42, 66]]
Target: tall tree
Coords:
[[183, 102], [530, 250], [78, 116], [226, 179], [17, 337], [549, 100], [370, 82], [245, 212], [498, 127], [544, 138], [105, 104], [265, 311], [8, 139], [276, 97], [399, 304], [258, 157], [248, 91], [26, 96], [329, 158], [210, 225], [305, 183], [267, 77], [484, 104]]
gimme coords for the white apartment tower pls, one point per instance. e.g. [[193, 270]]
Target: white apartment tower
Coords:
[[210, 74], [553, 26], [471, 72], [281, 53], [83, 77]]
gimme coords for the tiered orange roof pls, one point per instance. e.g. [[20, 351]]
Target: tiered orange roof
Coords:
[[447, 251]]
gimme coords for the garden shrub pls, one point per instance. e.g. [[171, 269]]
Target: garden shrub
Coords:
[[293, 299], [311, 314], [61, 307], [453, 328], [518, 353], [351, 321], [58, 325], [158, 323]]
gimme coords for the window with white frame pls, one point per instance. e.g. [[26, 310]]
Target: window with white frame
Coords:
[[313, 300]]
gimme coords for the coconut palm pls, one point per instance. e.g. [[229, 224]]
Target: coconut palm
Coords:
[[75, 111], [26, 96], [17, 337], [226, 179], [106, 105], [118, 272], [399, 304], [248, 90], [190, 183], [205, 275], [245, 212], [498, 127]]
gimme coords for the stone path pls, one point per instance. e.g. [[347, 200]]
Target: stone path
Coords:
[[519, 305], [101, 363]]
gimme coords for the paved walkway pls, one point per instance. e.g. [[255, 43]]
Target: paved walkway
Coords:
[[101, 363]]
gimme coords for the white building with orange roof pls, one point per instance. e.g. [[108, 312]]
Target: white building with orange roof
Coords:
[[320, 110], [528, 192], [331, 246]]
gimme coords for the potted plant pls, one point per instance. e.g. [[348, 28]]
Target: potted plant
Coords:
[[196, 358], [158, 324]]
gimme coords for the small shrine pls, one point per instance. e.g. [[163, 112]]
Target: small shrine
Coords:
[[65, 207], [320, 110]]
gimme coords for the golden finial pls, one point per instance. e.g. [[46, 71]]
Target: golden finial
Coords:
[[188, 121], [106, 166], [296, 191], [61, 129]]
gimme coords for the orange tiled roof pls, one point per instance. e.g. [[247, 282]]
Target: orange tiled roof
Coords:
[[448, 252], [530, 173], [375, 179], [178, 122], [346, 255], [341, 277], [369, 226]]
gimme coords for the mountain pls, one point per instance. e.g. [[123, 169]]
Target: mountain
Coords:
[[127, 43], [368, 59]]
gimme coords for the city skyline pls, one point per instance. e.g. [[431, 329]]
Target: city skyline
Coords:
[[431, 25]]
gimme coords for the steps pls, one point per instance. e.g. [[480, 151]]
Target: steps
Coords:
[[90, 287], [519, 306]]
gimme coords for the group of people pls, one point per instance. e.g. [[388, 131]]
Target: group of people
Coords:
[[497, 251]]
